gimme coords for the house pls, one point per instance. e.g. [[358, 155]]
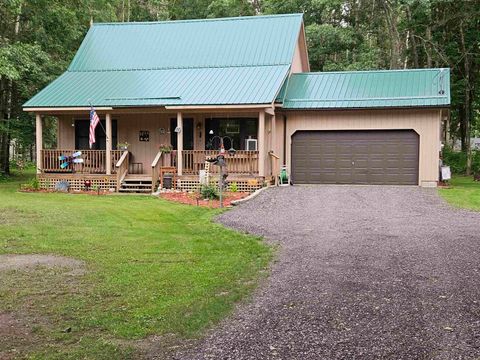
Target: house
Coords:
[[193, 83]]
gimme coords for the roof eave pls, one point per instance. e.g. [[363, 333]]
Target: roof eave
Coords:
[[67, 109], [63, 109], [369, 108]]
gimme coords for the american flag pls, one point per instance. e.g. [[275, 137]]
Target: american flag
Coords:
[[94, 120]]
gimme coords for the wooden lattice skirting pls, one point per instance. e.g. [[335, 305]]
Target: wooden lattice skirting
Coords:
[[244, 184], [77, 181], [107, 182]]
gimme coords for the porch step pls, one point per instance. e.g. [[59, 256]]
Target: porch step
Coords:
[[138, 178], [142, 184], [135, 190], [136, 184]]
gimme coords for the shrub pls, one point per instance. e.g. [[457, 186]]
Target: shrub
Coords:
[[209, 191], [33, 184], [233, 187], [20, 165], [457, 160], [476, 162]]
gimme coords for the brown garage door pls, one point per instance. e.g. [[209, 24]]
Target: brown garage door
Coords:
[[355, 157]]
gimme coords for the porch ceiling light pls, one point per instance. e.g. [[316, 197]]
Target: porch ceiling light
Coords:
[[211, 132]]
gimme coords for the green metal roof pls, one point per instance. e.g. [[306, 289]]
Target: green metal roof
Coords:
[[367, 89], [204, 86], [241, 60], [240, 41]]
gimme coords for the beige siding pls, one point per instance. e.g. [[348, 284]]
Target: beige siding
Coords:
[[280, 121], [426, 122], [199, 132], [144, 152], [268, 144], [297, 65], [66, 132], [300, 57]]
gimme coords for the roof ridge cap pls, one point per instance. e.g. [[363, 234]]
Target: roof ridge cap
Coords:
[[318, 73], [179, 68], [232, 18]]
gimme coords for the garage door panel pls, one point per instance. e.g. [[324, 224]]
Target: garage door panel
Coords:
[[355, 157]]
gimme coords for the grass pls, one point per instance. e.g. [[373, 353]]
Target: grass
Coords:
[[153, 267], [463, 193]]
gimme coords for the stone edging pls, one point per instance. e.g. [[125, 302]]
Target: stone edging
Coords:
[[249, 197]]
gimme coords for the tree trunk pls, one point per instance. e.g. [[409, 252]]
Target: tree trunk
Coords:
[[467, 100], [4, 163], [391, 18], [412, 40], [6, 106], [428, 46]]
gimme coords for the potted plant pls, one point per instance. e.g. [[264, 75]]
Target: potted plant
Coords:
[[123, 146], [165, 148]]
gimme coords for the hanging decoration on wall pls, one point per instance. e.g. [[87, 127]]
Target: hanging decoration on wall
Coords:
[[70, 159], [144, 135]]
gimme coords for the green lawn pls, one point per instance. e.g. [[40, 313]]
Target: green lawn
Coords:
[[464, 193], [153, 267]]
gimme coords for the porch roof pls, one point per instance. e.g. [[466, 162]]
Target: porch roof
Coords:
[[367, 89], [204, 86]]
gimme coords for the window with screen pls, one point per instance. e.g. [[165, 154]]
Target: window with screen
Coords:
[[238, 129]]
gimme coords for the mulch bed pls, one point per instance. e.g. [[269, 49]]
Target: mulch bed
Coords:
[[84, 192], [193, 199]]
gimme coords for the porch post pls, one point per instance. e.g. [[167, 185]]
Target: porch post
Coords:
[[273, 144], [108, 143], [39, 142], [261, 143], [179, 143]]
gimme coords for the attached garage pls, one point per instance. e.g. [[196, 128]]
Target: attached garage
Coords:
[[355, 157], [375, 127]]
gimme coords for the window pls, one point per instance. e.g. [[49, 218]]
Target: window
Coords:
[[187, 133], [238, 129], [82, 130]]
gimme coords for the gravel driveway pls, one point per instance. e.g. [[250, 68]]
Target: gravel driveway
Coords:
[[362, 273]]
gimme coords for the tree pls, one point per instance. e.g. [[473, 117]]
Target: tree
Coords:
[[39, 38]]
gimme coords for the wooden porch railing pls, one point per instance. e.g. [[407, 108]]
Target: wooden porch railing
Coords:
[[93, 161], [116, 155], [156, 164], [122, 168], [243, 162], [274, 158]]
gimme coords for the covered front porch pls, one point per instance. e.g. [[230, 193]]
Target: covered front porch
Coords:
[[140, 146]]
